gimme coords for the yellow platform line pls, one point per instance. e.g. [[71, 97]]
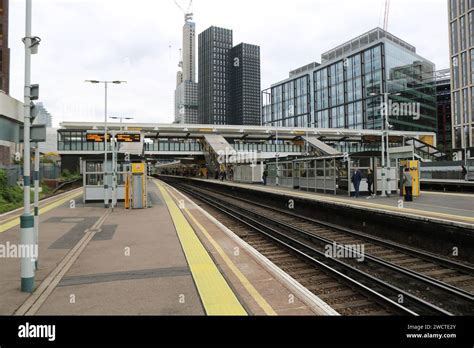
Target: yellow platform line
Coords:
[[16, 220], [216, 295], [243, 280]]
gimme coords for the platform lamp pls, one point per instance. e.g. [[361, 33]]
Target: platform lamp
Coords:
[[114, 159], [385, 137], [106, 187]]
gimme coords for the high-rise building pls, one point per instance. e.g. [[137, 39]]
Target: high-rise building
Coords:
[[245, 85], [461, 39], [185, 95], [186, 107], [4, 50], [443, 100], [214, 75], [43, 116], [346, 89], [189, 52], [229, 79]]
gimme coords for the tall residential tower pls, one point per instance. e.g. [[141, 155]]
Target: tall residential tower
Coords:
[[186, 86], [245, 85], [229, 79], [461, 43]]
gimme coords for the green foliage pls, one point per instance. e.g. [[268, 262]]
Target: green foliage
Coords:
[[68, 176], [11, 197]]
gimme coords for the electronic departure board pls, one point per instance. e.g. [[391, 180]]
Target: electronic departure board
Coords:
[[129, 138], [97, 138]]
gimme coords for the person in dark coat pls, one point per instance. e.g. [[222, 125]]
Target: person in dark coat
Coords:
[[356, 179], [264, 177], [464, 173], [370, 182], [408, 183]]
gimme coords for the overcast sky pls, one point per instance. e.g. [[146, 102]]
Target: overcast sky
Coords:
[[139, 41]]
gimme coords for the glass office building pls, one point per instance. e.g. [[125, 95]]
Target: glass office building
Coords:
[[461, 39], [345, 90]]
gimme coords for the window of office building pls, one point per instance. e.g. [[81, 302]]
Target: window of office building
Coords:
[[465, 110], [457, 138], [464, 69], [455, 63], [457, 107], [302, 97], [471, 53], [454, 37], [472, 104], [454, 8], [471, 28], [321, 89], [462, 30]]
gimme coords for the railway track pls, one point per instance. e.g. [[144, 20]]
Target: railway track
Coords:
[[384, 278]]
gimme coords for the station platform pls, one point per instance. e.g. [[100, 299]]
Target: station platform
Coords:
[[452, 208], [170, 259]]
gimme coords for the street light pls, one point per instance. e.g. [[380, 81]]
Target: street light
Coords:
[[385, 137], [121, 118], [114, 160], [106, 187]]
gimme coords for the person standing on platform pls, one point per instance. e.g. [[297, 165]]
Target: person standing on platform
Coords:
[[408, 183], [264, 177], [370, 183], [356, 179], [464, 173]]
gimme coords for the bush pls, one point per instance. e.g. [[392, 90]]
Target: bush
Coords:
[[11, 197]]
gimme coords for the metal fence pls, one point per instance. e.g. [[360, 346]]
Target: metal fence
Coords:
[[14, 173]]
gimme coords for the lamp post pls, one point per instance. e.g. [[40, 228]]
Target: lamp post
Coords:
[[385, 138], [106, 186], [27, 234], [277, 156], [114, 161], [121, 118]]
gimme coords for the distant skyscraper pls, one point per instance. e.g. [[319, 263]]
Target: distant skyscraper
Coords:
[[43, 117], [4, 50], [245, 85], [185, 96], [229, 79], [214, 75], [189, 52], [461, 34]]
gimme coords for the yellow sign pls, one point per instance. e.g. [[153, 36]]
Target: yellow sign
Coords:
[[415, 174], [427, 139], [138, 168]]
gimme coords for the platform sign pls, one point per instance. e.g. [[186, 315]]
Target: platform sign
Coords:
[[96, 138], [138, 168], [415, 173], [37, 133], [129, 138]]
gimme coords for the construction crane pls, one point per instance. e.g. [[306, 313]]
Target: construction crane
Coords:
[[387, 13], [188, 15]]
